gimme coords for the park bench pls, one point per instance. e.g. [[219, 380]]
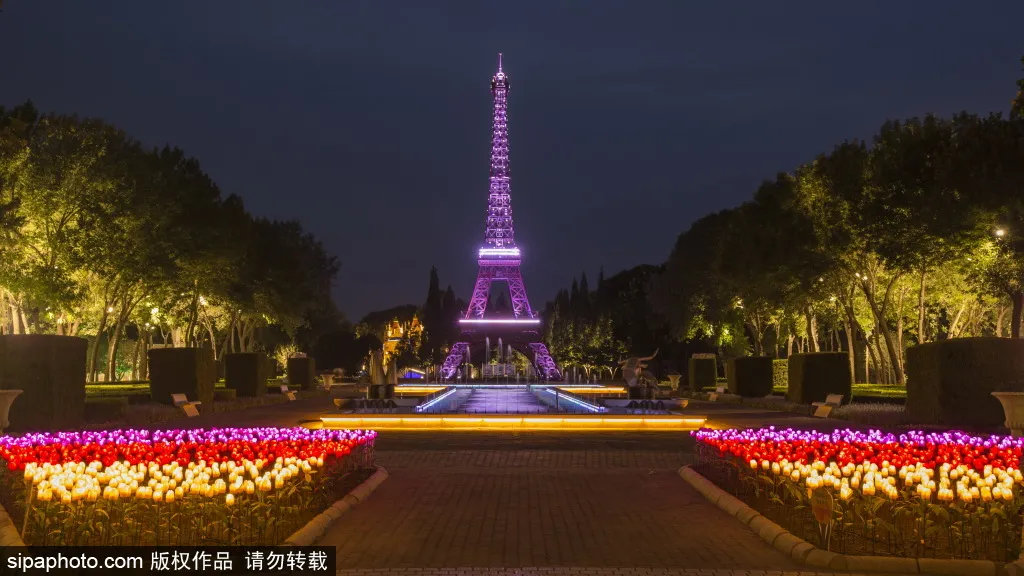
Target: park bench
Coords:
[[718, 392], [823, 409], [288, 393], [190, 408]]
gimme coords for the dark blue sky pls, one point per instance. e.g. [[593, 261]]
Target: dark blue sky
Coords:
[[370, 121]]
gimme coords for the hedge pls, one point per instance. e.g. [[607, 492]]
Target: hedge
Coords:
[[246, 373], [751, 376], [301, 373], [780, 373], [109, 409], [703, 373], [950, 382], [224, 394], [51, 371], [815, 375], [188, 371]]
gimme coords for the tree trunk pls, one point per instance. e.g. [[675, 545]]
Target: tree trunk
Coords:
[[144, 360], [922, 335], [1018, 307], [850, 320], [884, 369], [135, 357], [15, 320], [240, 329], [213, 341], [227, 345], [955, 326], [999, 321], [812, 330], [193, 316], [870, 347], [851, 353], [91, 368], [25, 327], [789, 345], [883, 327], [115, 341], [776, 345], [899, 322]]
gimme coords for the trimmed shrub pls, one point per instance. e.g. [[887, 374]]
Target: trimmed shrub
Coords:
[[224, 394], [188, 371], [246, 373], [703, 373], [301, 373], [107, 409], [51, 371], [950, 382], [813, 376], [780, 373], [750, 376]]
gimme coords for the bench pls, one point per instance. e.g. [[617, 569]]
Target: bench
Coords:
[[190, 408], [713, 397], [823, 409], [288, 393]]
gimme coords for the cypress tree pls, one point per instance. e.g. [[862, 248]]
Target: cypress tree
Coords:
[[433, 317]]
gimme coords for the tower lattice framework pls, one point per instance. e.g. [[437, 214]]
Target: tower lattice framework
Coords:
[[499, 259]]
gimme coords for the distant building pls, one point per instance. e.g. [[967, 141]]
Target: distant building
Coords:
[[397, 331]]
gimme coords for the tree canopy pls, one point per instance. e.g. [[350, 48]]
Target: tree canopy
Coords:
[[101, 237]]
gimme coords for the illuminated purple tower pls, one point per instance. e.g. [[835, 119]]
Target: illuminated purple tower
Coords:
[[499, 260]]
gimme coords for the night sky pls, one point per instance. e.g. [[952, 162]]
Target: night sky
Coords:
[[370, 121]]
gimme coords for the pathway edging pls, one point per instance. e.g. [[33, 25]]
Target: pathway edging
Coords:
[[804, 552], [316, 527], [9, 535]]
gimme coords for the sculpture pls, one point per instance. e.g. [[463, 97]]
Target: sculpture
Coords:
[[635, 374]]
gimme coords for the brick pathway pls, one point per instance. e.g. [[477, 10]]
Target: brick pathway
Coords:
[[502, 508], [539, 504], [576, 572]]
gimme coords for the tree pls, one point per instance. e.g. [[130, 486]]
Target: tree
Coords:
[[432, 315], [1017, 107], [102, 238]]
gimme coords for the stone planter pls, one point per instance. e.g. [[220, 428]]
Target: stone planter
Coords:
[[6, 399], [1013, 407]]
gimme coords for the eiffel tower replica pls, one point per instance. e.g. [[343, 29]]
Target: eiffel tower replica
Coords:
[[499, 260]]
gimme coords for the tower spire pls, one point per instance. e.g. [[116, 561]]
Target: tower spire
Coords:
[[499, 233]]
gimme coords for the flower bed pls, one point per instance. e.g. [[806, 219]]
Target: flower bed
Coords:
[[230, 486], [939, 495]]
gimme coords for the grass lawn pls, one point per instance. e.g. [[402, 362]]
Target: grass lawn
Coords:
[[881, 390], [127, 389]]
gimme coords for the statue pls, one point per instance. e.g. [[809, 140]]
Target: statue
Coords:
[[637, 378]]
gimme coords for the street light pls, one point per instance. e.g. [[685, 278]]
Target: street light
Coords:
[[1000, 232]]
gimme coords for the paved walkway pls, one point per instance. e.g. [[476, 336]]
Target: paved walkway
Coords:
[[538, 504], [509, 509], [577, 572]]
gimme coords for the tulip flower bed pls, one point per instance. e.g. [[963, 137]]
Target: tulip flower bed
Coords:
[[938, 495], [231, 486]]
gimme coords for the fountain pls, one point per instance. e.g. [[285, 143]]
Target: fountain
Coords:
[[1013, 408]]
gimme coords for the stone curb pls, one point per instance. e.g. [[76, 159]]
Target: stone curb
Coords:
[[803, 552], [316, 527], [9, 536]]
